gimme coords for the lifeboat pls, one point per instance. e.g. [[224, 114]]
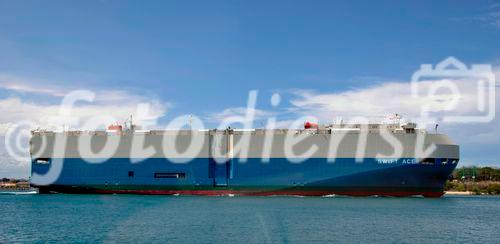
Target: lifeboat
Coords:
[[310, 125], [115, 128]]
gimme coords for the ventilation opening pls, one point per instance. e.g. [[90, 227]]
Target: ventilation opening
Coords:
[[410, 130], [428, 161], [42, 160], [131, 174], [170, 175]]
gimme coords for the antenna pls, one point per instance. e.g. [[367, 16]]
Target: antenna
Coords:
[[131, 122], [191, 121]]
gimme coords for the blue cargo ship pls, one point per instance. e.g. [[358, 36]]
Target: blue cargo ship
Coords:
[[356, 160]]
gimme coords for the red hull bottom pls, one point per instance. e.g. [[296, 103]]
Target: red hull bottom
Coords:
[[270, 193]]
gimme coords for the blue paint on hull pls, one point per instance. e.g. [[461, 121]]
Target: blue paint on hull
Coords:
[[315, 174]]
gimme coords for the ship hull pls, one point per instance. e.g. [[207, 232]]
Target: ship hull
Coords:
[[250, 177]]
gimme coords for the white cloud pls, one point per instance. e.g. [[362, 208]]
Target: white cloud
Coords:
[[115, 105], [46, 116], [493, 17], [29, 85], [379, 101], [489, 18]]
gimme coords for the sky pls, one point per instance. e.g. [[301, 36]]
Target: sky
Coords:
[[328, 59]]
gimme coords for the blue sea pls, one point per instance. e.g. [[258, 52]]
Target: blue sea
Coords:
[[190, 219]]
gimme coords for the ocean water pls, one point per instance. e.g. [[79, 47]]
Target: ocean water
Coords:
[[188, 219]]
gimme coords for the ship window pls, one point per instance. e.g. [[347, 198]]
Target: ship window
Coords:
[[131, 174], [42, 161], [170, 175]]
